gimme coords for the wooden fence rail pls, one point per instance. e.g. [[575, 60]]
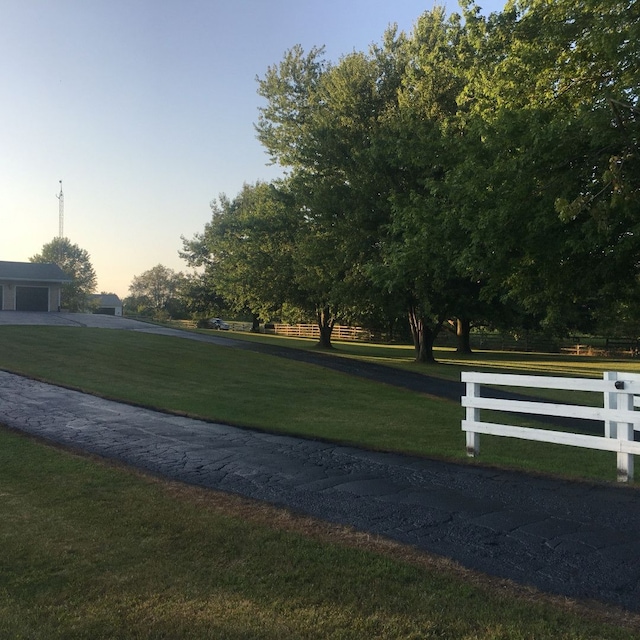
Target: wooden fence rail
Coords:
[[620, 393], [339, 332]]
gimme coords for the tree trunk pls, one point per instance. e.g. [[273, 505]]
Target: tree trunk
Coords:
[[423, 336], [255, 324], [463, 336], [325, 324]]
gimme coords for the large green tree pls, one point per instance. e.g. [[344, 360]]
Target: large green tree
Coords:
[[324, 122], [246, 250], [342, 188], [156, 291], [421, 243], [291, 129], [370, 141], [76, 263], [548, 189], [199, 296]]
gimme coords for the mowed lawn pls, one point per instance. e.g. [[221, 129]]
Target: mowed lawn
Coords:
[[92, 550]]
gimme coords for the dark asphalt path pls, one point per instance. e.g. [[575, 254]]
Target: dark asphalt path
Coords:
[[575, 539]]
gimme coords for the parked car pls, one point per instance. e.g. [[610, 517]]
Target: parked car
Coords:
[[217, 323]]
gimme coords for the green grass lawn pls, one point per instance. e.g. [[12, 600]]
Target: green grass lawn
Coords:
[[92, 550]]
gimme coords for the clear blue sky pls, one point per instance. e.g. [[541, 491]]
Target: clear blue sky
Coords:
[[145, 110]]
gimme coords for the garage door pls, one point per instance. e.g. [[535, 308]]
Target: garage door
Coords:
[[32, 298]]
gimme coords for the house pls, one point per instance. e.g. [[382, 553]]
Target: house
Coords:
[[107, 304], [31, 286]]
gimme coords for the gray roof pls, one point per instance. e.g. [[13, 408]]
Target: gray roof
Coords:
[[29, 271], [107, 300]]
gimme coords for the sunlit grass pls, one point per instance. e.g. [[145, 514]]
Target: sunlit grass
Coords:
[[450, 364], [534, 363]]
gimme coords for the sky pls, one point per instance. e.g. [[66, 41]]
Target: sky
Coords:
[[145, 109]]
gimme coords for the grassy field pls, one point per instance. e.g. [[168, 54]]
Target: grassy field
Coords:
[[91, 550]]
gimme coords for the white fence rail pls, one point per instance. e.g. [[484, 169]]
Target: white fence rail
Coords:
[[620, 393]]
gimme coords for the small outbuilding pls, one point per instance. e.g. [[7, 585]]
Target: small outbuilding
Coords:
[[107, 304], [31, 286]]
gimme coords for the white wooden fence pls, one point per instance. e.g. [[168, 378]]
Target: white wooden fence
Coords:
[[619, 391]]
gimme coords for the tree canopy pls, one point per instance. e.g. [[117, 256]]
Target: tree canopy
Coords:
[[156, 291], [76, 263], [474, 170]]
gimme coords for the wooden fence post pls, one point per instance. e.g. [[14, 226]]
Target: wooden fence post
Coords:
[[473, 415]]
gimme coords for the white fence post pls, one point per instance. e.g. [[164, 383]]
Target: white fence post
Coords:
[[473, 415], [610, 402], [625, 432]]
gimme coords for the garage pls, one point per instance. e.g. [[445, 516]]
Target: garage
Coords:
[[32, 298], [31, 286], [106, 304]]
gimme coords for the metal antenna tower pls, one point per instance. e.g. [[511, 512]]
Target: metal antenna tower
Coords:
[[60, 197]]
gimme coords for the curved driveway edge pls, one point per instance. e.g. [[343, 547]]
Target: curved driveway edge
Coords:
[[575, 539]]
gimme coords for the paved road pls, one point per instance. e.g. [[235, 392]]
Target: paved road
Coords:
[[575, 539]]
